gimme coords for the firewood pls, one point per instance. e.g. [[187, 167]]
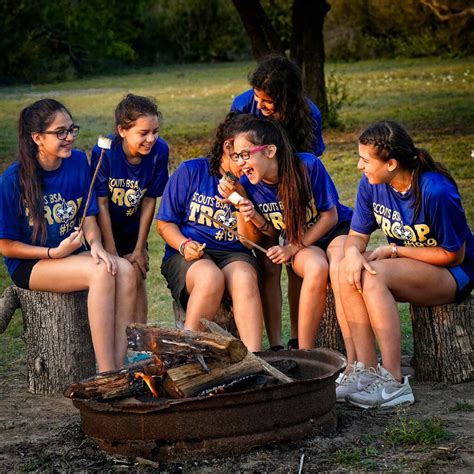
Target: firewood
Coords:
[[213, 328], [189, 380], [107, 385], [177, 343]]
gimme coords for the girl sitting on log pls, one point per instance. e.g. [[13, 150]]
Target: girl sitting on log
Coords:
[[202, 261], [429, 259], [277, 93], [132, 175], [42, 199], [295, 197]]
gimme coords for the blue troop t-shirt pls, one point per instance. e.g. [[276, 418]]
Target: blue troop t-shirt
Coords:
[[188, 197], [441, 220], [127, 184], [246, 104], [325, 196], [64, 195]]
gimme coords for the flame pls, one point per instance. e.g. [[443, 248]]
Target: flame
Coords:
[[149, 381]]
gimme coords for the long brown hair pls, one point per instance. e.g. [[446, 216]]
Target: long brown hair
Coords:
[[391, 141], [37, 117], [294, 189]]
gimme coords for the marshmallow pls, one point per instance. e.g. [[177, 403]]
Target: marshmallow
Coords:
[[104, 142], [235, 198]]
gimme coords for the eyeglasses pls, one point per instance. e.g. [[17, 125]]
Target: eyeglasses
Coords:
[[63, 133], [245, 154]]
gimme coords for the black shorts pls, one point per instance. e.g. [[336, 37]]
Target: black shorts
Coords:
[[342, 228], [175, 268], [21, 275], [126, 246]]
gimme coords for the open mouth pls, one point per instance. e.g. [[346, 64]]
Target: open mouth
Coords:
[[249, 172]]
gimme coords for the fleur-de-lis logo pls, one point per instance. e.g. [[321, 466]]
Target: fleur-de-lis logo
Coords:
[[135, 198], [65, 212]]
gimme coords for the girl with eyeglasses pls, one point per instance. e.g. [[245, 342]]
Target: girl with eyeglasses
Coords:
[[202, 261], [42, 199], [132, 175], [298, 200], [277, 93], [429, 259]]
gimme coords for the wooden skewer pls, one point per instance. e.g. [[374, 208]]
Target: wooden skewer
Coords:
[[105, 144]]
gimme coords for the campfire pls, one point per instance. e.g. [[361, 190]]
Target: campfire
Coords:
[[203, 393]]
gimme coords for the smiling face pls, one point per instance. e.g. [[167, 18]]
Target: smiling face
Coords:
[[376, 170], [265, 103], [261, 164], [50, 147], [140, 138]]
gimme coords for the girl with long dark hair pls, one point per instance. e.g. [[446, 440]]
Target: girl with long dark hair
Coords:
[[42, 200], [429, 259]]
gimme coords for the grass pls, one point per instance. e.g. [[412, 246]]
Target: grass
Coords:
[[432, 97], [462, 405], [356, 458]]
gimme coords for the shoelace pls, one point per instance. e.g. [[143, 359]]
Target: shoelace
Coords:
[[356, 371], [377, 383]]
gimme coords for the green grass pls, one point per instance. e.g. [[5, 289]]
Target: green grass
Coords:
[[432, 97], [357, 458], [462, 405]]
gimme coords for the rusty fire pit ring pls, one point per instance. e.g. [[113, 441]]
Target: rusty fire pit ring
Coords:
[[221, 425]]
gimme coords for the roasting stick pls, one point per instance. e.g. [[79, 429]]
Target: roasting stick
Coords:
[[105, 144], [234, 232]]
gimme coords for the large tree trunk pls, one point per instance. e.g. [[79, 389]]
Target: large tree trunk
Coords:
[[443, 338], [57, 336], [307, 48], [329, 334], [263, 37]]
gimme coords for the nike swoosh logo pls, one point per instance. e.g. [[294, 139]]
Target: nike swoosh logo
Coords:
[[387, 396]]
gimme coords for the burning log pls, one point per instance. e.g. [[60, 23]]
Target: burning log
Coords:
[[120, 383], [189, 380], [167, 342]]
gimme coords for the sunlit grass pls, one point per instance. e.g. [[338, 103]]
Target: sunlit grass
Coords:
[[432, 97]]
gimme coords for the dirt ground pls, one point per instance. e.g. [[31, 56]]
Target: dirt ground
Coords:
[[43, 433]]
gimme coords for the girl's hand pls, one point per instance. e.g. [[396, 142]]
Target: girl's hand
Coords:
[[193, 250], [98, 253], [68, 245], [247, 209], [355, 263], [141, 259], [282, 253], [384, 251], [226, 187]]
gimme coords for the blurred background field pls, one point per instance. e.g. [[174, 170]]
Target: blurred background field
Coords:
[[432, 97]]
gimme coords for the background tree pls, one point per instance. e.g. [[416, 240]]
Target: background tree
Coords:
[[306, 39]]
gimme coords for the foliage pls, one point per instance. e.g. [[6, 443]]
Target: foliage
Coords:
[[356, 457], [462, 405], [407, 431], [338, 97]]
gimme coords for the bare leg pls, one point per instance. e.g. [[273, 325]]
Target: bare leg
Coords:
[[141, 306], [294, 292], [271, 295], [242, 285], [310, 264], [335, 253], [205, 285]]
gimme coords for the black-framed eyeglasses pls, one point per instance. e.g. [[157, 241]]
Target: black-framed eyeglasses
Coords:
[[245, 154], [63, 133]]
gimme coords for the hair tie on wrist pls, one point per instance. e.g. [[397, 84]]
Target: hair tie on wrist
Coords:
[[183, 245], [48, 253], [264, 227]]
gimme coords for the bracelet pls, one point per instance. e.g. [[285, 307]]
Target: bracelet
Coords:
[[394, 253], [183, 244], [48, 253], [264, 227]]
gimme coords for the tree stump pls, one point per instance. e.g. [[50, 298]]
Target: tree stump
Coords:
[[224, 318], [59, 348], [329, 334], [443, 339]]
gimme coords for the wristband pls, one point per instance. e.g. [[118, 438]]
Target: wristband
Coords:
[[48, 253], [264, 227], [183, 244], [394, 253]]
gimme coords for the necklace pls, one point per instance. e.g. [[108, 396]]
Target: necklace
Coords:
[[407, 189]]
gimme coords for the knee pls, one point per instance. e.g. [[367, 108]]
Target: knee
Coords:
[[210, 280], [126, 275], [316, 273]]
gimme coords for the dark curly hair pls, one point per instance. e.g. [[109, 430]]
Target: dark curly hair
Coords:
[[280, 78], [391, 141], [294, 188]]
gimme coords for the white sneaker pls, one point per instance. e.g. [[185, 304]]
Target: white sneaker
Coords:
[[354, 381], [383, 391]]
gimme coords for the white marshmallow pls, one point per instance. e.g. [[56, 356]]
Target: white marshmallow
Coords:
[[235, 198], [104, 142]]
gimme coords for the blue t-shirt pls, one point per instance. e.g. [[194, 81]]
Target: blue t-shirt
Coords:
[[64, 195], [188, 198], [325, 196], [441, 221], [246, 104], [126, 184]]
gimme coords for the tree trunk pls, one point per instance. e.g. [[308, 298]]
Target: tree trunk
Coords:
[[329, 334], [263, 37], [443, 338], [57, 336], [307, 48]]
